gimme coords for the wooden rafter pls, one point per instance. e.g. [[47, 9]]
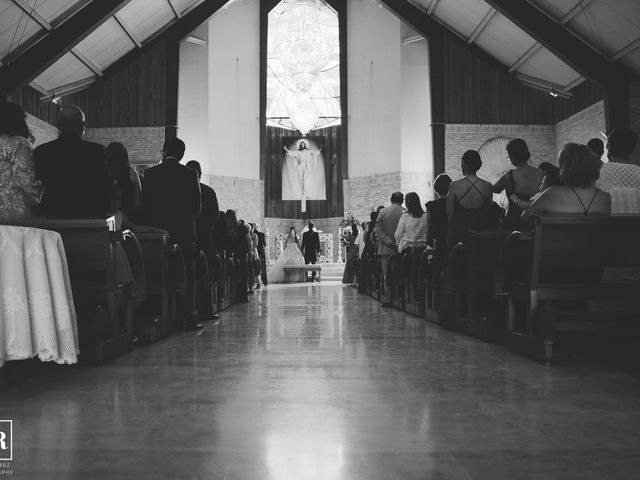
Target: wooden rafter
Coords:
[[57, 43]]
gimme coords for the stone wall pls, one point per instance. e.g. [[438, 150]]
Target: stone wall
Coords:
[[581, 127], [462, 137], [144, 144], [244, 195]]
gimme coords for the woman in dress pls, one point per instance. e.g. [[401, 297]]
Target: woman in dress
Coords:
[[523, 181], [290, 256], [411, 233], [620, 177], [468, 201], [19, 189], [579, 170], [128, 190]]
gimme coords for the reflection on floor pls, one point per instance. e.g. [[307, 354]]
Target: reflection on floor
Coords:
[[316, 382]]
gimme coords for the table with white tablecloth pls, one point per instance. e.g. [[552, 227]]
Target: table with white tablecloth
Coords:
[[37, 314]]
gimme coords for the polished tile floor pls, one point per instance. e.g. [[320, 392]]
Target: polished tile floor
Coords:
[[318, 382]]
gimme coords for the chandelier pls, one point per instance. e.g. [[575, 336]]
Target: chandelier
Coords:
[[304, 46]]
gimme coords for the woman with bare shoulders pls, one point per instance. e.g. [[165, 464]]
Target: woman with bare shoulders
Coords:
[[468, 200], [579, 170], [521, 182]]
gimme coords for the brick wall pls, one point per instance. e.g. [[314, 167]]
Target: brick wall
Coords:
[[144, 144], [244, 195], [581, 127], [364, 194], [462, 137], [43, 132]]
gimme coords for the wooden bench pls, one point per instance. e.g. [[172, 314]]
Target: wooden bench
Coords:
[[159, 318], [299, 273], [101, 282], [556, 275], [438, 305], [476, 310]]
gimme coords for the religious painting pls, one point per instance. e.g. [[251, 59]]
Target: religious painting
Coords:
[[303, 169]]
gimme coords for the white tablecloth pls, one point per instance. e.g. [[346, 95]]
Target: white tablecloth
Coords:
[[37, 314]]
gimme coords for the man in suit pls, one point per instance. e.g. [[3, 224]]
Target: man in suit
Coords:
[[262, 254], [206, 223], [385, 229], [311, 247], [74, 172], [171, 201]]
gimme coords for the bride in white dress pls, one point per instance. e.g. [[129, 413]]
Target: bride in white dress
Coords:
[[290, 256]]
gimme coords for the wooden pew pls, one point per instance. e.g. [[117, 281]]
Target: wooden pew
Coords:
[[476, 310], [438, 303], [364, 275], [559, 272], [159, 317], [101, 282]]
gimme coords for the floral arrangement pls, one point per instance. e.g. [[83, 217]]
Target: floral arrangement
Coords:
[[346, 237]]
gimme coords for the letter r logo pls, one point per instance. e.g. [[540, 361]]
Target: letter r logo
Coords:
[[6, 440]]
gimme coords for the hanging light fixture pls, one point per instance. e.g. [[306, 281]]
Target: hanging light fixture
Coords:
[[302, 111]]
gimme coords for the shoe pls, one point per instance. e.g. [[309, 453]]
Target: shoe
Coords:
[[192, 327], [387, 304], [214, 316]]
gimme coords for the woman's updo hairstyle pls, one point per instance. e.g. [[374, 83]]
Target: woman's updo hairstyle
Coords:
[[518, 151], [579, 167], [471, 162]]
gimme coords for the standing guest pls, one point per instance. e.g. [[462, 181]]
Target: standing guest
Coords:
[[75, 175], [351, 255], [19, 189], [262, 255], [385, 229], [370, 239], [579, 170], [411, 232], [551, 178], [597, 147], [205, 224], [310, 247], [468, 201], [242, 251], [207, 220], [221, 238], [128, 190], [437, 212], [523, 181], [360, 239], [255, 258], [619, 176], [171, 201]]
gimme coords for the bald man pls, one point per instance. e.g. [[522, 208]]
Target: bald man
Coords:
[[77, 182]]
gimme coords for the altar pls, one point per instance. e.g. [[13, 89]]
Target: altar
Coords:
[[326, 247]]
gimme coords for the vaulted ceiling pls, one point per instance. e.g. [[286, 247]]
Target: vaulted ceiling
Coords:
[[609, 27]]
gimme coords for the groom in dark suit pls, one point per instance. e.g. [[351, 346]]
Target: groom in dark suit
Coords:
[[311, 247]]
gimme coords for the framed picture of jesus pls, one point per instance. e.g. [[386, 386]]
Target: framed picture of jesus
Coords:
[[303, 169]]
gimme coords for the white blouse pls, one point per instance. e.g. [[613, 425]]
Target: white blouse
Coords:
[[622, 181], [411, 231]]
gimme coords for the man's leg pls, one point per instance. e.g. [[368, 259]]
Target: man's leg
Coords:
[[384, 261], [190, 312], [263, 270]]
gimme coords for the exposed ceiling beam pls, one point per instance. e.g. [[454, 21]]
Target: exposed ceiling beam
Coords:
[[39, 88], [575, 53], [478, 30], [412, 39], [432, 7], [68, 89], [574, 11], [176, 13], [57, 43], [525, 56], [544, 85], [176, 30], [626, 50], [36, 17], [574, 84], [132, 36]]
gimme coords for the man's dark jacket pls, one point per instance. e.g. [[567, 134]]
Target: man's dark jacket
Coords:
[[207, 220], [310, 246], [171, 200], [76, 178]]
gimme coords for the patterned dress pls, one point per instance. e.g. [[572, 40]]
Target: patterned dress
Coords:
[[19, 189], [622, 181]]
